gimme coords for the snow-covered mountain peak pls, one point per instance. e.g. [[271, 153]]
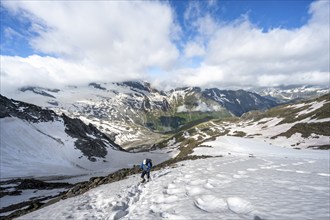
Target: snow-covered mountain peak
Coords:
[[292, 92]]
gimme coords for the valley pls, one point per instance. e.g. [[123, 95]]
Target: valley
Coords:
[[128, 112], [103, 131]]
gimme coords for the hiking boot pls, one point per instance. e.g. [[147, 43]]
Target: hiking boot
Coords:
[[143, 180]]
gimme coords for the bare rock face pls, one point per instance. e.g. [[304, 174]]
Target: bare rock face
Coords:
[[89, 140], [240, 101], [25, 111]]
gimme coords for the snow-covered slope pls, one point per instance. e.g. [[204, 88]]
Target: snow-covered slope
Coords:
[[301, 125], [276, 183], [36, 142], [117, 109]]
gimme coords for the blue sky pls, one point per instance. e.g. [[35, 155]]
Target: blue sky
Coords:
[[266, 14], [197, 43]]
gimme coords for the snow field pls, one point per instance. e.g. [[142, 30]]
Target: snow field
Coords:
[[267, 128], [277, 183], [234, 187], [44, 150]]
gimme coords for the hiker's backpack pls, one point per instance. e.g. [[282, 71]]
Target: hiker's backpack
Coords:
[[149, 162]]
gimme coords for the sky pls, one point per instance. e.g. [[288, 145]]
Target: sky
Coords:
[[168, 43]]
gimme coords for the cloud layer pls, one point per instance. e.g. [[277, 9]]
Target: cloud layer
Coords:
[[241, 54], [101, 40], [116, 41]]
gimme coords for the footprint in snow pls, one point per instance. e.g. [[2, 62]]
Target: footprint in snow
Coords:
[[197, 182], [171, 186], [187, 176], [210, 203], [241, 174], [175, 191], [165, 199], [194, 190], [159, 208], [223, 179], [239, 205], [222, 176], [208, 186], [236, 176], [178, 180]]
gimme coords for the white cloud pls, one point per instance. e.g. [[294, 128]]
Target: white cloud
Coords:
[[241, 54], [193, 11], [207, 26], [120, 39], [194, 49], [47, 71]]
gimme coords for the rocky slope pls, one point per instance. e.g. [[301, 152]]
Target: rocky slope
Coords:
[[88, 139], [37, 142], [239, 102]]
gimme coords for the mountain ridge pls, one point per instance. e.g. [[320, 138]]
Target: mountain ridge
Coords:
[[130, 111]]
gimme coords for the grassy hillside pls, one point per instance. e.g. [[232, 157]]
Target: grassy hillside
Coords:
[[303, 124], [291, 112]]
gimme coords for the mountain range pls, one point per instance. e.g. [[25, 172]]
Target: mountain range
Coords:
[[128, 112]]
